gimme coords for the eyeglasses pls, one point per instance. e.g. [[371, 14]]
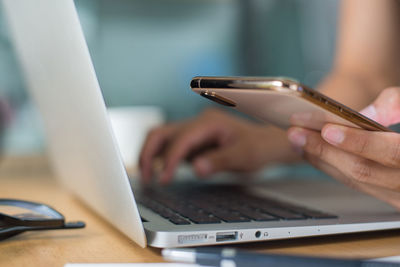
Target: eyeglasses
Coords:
[[18, 216]]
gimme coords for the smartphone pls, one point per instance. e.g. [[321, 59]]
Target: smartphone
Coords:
[[280, 101]]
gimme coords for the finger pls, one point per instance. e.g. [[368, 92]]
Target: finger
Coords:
[[153, 145], [386, 108], [389, 196], [353, 166], [330, 170], [382, 147], [192, 138]]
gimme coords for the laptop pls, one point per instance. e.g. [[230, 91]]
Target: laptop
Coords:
[[61, 79]]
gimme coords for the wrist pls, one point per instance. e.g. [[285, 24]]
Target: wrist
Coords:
[[275, 147]]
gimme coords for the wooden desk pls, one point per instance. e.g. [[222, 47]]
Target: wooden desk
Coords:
[[31, 179]]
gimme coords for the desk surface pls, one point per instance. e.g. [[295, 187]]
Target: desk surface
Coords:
[[31, 179]]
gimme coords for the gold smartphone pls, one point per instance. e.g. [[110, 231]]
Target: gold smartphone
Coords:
[[280, 101]]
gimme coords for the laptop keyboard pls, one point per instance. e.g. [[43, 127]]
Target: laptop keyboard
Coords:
[[216, 204]]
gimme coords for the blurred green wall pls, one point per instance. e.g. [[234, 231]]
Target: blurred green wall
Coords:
[[146, 51]]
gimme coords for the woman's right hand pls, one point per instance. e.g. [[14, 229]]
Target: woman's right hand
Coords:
[[214, 141]]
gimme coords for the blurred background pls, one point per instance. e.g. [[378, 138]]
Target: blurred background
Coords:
[[146, 51]]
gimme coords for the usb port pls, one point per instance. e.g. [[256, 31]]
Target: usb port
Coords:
[[226, 236]]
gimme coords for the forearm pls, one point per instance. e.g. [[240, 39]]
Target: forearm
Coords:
[[367, 52], [355, 91], [276, 146]]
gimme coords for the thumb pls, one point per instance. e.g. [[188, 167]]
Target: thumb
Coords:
[[386, 108], [215, 161]]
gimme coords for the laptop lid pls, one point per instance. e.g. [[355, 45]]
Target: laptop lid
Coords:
[[61, 79]]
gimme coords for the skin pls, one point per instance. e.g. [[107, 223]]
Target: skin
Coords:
[[367, 52], [366, 160], [366, 62], [214, 141]]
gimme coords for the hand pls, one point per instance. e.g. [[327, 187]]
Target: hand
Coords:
[[366, 160], [215, 141]]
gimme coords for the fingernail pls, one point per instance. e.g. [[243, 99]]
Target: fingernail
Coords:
[[333, 135], [369, 112], [297, 137], [203, 166]]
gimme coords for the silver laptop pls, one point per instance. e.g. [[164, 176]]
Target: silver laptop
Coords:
[[61, 79]]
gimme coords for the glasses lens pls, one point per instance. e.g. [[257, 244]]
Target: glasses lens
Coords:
[[22, 213], [28, 210], [17, 216]]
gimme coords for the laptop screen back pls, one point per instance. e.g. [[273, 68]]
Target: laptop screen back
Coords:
[[60, 76]]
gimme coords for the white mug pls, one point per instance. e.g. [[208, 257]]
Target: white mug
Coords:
[[131, 125]]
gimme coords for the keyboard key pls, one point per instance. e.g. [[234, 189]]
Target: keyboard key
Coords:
[[230, 217], [178, 220], [232, 204], [283, 214], [256, 215], [204, 219]]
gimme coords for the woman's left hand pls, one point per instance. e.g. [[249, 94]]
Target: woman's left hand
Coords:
[[366, 160]]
